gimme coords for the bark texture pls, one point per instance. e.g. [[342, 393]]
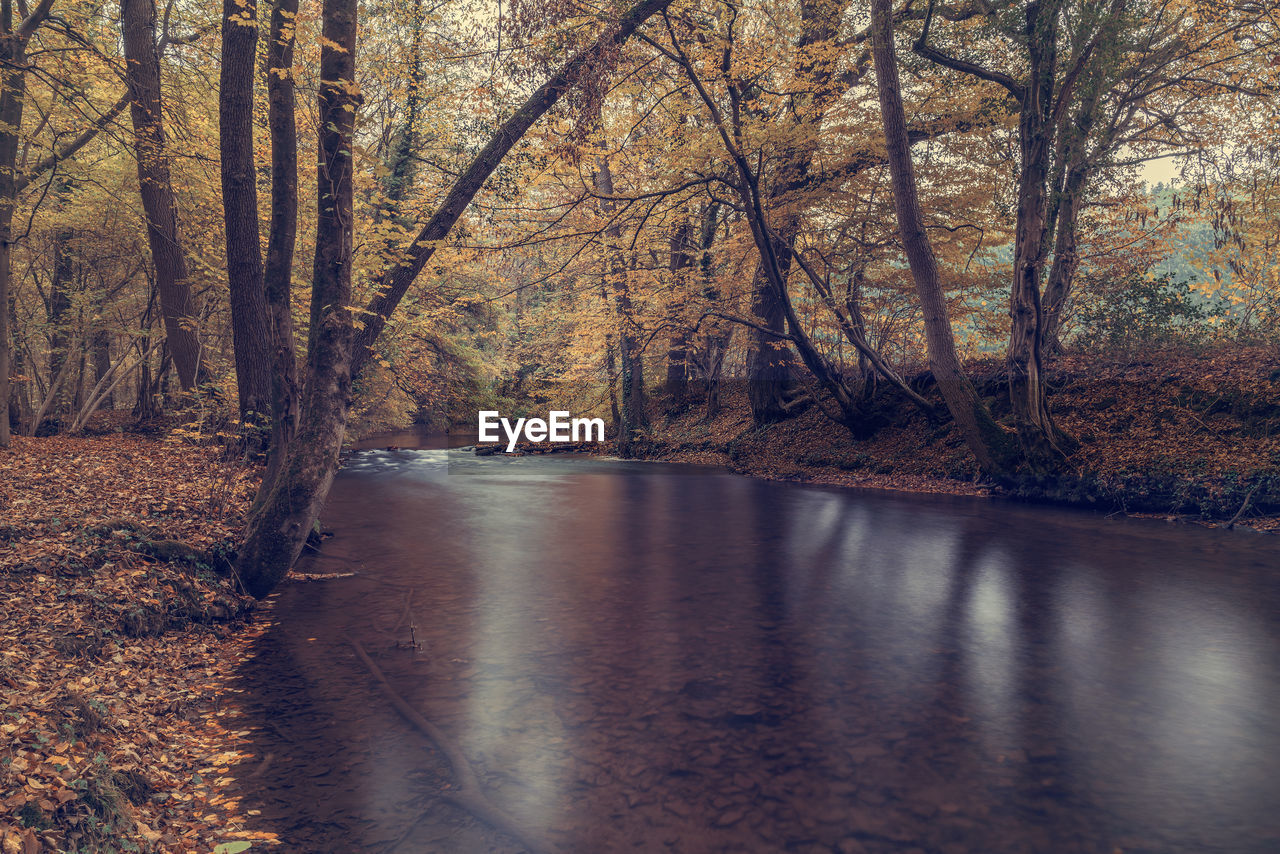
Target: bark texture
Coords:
[[57, 315], [281, 238], [138, 22], [771, 378], [15, 35], [676, 385], [1024, 360], [293, 504], [1066, 257], [249, 328]]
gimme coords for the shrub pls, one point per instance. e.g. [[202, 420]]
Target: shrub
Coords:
[[1141, 310]]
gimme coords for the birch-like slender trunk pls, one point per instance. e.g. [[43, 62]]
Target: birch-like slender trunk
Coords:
[[987, 442]]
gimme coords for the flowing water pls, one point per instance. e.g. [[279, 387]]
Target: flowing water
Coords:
[[639, 657]]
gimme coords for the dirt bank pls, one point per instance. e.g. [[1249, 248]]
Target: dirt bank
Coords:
[[1188, 436]]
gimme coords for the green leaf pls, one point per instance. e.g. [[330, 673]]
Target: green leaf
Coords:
[[232, 847]]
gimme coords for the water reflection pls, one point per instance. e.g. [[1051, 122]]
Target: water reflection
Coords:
[[636, 659]]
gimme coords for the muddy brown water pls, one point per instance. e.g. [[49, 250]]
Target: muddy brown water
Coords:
[[641, 657]]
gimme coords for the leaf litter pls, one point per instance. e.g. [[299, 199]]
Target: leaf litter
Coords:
[[122, 627]]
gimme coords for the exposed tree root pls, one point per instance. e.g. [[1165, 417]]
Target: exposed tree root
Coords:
[[468, 795], [1243, 507]]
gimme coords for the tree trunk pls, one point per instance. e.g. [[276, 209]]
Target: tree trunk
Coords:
[[635, 410], [987, 442], [1066, 257], [635, 403], [249, 327], [676, 386], [281, 240], [13, 91], [1036, 430], [102, 364], [771, 376], [138, 22], [709, 356], [291, 508], [611, 368], [20, 409], [6, 236], [57, 314], [144, 407]]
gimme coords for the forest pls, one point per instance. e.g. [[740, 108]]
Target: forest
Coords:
[[1019, 248]]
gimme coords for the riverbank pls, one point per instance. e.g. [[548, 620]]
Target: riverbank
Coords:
[[121, 632], [1188, 437]]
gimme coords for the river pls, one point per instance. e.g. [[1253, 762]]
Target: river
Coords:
[[653, 658]]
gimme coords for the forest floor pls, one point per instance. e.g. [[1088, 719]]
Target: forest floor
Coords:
[[120, 636], [1185, 436]]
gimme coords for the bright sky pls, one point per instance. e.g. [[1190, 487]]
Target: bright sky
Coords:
[[1162, 171]]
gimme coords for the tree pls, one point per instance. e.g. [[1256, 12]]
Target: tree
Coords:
[[984, 437], [633, 416], [282, 237], [1162, 79], [770, 364], [777, 254], [15, 35], [1091, 76], [142, 73], [1043, 95], [249, 320]]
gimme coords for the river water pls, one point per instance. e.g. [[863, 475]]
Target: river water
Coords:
[[641, 657]]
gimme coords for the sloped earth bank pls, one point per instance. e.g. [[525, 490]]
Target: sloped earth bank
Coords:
[[638, 657], [119, 635], [1179, 435]]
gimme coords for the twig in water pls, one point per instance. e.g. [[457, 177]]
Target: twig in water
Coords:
[[468, 795]]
